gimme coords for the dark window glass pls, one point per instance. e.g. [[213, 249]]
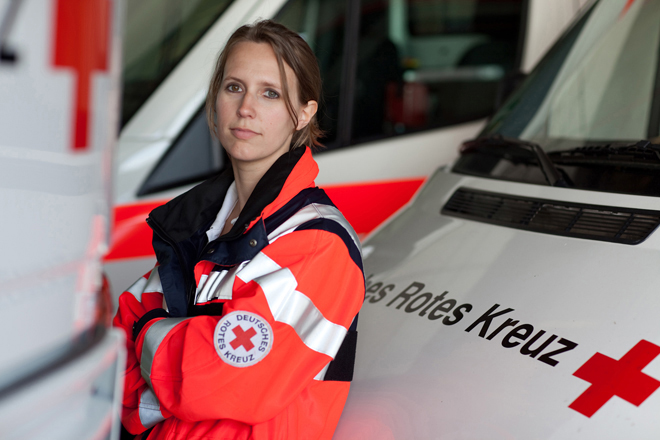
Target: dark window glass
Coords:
[[431, 63], [158, 34], [194, 156], [321, 23]]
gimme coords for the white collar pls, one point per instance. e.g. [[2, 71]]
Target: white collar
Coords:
[[227, 207]]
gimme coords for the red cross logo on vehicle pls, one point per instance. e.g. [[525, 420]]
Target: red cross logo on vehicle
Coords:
[[82, 31], [622, 378], [243, 338]]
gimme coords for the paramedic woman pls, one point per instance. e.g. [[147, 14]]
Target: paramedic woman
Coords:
[[245, 327]]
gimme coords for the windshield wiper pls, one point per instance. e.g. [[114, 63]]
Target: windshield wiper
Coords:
[[511, 148], [642, 153]]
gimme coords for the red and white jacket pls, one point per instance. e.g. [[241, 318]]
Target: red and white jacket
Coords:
[[250, 336]]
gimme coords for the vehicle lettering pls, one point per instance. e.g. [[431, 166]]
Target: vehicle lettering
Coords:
[[416, 298], [412, 299], [547, 357], [520, 332], [380, 292], [407, 293], [527, 349], [486, 318], [435, 300], [508, 323], [458, 314]]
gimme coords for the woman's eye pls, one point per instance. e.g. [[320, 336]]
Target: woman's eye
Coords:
[[271, 94], [233, 88]]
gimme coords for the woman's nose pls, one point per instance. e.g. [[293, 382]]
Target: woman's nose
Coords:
[[247, 107]]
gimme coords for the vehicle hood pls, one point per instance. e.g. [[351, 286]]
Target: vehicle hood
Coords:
[[452, 332]]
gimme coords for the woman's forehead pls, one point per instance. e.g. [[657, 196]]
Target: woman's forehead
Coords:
[[250, 61]]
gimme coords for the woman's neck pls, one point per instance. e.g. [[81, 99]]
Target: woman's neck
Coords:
[[247, 176]]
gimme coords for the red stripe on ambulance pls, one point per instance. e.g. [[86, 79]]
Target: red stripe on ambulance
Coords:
[[365, 206]]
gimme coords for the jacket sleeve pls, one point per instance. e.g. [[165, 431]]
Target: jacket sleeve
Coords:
[[140, 409], [294, 301]]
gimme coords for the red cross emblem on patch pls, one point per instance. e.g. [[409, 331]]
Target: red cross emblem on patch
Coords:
[[242, 338], [622, 378]]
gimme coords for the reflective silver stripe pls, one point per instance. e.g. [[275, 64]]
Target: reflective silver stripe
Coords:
[[149, 409], [214, 281], [306, 214], [152, 339], [200, 286], [311, 212], [321, 374], [137, 288], [153, 285], [292, 307], [259, 266], [332, 213], [217, 285]]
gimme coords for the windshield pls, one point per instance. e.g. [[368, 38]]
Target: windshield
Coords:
[[158, 34], [597, 88]]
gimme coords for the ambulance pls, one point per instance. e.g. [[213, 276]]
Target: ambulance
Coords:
[[518, 295], [404, 82], [60, 365]]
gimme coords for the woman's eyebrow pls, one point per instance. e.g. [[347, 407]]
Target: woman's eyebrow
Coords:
[[261, 83], [231, 78]]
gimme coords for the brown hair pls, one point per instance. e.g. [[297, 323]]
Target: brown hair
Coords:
[[289, 48]]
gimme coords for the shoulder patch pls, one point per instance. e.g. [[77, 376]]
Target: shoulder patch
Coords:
[[242, 339]]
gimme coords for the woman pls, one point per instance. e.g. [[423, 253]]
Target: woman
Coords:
[[243, 330]]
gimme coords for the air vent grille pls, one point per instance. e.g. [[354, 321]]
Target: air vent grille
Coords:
[[620, 225]]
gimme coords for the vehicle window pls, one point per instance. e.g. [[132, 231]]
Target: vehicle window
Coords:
[[321, 23], [606, 94], [591, 105], [194, 156], [598, 84], [431, 63], [158, 34]]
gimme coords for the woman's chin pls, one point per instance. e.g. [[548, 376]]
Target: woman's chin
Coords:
[[251, 154]]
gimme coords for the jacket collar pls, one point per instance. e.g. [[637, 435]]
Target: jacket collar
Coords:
[[196, 209]]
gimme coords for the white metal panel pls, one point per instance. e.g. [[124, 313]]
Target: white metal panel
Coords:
[[55, 197], [79, 400], [421, 378], [414, 155], [55, 200]]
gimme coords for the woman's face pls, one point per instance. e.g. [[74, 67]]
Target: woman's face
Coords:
[[253, 123]]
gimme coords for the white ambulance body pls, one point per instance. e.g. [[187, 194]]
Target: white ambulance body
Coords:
[[518, 295], [61, 365], [405, 81]]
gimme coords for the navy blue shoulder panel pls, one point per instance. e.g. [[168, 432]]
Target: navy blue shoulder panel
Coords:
[[341, 367], [324, 224], [303, 198]]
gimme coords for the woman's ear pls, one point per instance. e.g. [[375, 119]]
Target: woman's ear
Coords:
[[307, 113]]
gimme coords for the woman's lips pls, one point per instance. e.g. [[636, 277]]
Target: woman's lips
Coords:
[[243, 133]]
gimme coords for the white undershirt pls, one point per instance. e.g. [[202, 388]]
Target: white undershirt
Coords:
[[227, 207]]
